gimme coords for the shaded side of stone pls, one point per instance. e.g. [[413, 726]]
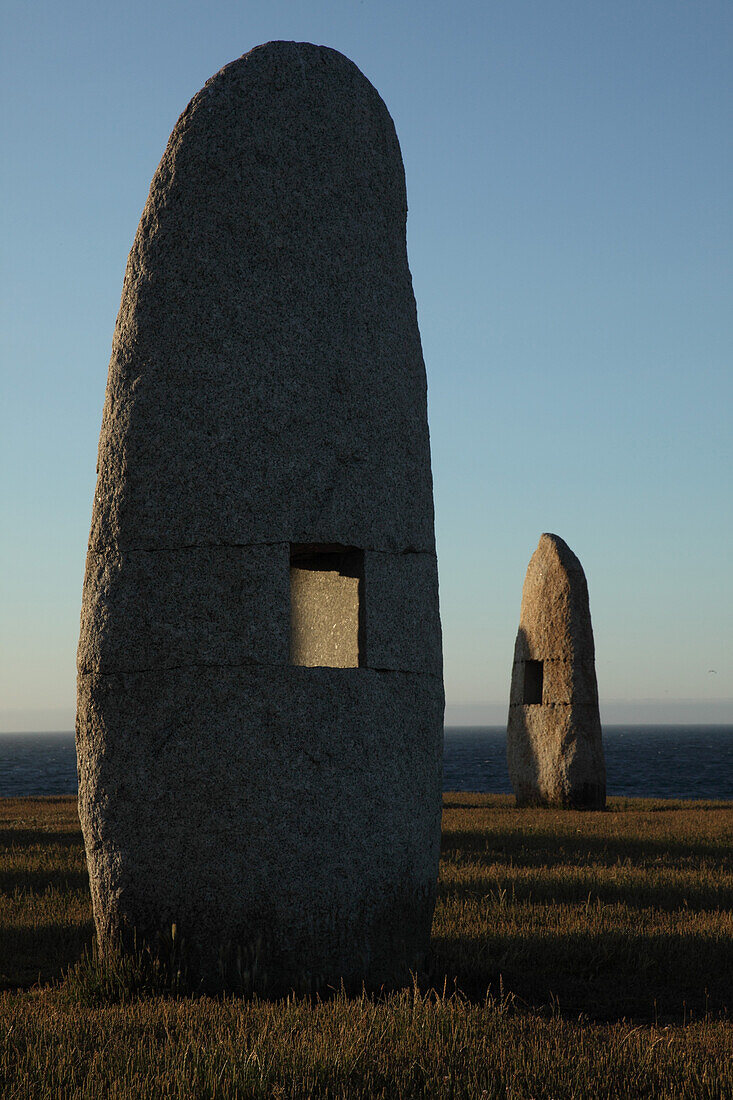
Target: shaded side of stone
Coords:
[[402, 620], [554, 747], [206, 605]]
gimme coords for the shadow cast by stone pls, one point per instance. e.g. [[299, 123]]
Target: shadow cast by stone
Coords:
[[42, 953], [37, 838], [605, 975], [585, 889], [39, 881], [548, 849]]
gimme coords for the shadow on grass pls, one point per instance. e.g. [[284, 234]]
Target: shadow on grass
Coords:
[[606, 976], [42, 953], [38, 882], [667, 972], [34, 838], [505, 803], [532, 848], [669, 897]]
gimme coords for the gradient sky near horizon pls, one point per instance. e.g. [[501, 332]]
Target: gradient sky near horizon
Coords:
[[570, 228]]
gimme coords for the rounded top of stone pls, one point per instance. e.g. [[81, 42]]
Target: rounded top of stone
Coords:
[[288, 70], [554, 621], [283, 49], [267, 381], [553, 548]]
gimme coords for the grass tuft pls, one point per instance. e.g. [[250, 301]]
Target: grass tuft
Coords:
[[120, 977]]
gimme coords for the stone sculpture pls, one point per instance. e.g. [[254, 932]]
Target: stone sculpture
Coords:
[[554, 747], [260, 697]]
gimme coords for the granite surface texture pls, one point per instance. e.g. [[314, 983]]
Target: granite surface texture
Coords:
[[307, 838], [266, 392], [325, 613], [554, 746], [266, 377]]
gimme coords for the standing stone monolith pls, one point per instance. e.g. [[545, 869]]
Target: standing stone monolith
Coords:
[[260, 692], [554, 747]]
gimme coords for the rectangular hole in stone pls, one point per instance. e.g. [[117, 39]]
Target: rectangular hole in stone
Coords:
[[533, 676], [326, 606]]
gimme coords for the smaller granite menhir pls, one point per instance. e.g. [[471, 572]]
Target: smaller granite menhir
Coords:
[[554, 748]]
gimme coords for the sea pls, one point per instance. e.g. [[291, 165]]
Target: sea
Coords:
[[641, 762]]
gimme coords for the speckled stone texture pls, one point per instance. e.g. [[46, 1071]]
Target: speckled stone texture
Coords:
[[266, 392], [554, 747], [326, 600]]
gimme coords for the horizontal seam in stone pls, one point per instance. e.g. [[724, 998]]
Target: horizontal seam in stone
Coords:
[[549, 660], [542, 704], [248, 664], [400, 553], [386, 668], [239, 546]]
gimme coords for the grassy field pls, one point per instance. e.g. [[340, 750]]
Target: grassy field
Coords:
[[573, 955]]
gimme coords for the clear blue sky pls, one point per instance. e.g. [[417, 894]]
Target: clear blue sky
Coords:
[[569, 182]]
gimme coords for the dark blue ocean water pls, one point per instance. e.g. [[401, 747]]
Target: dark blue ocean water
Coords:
[[641, 761]]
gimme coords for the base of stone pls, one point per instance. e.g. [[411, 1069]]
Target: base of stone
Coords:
[[286, 821], [555, 756], [587, 796], [380, 948]]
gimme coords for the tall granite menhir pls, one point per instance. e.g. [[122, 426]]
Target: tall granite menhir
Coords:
[[260, 675], [554, 745]]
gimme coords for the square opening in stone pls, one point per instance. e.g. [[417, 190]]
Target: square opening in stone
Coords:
[[533, 676], [326, 606]]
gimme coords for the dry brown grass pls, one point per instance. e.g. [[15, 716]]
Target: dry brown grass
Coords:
[[622, 913], [604, 940], [45, 908]]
